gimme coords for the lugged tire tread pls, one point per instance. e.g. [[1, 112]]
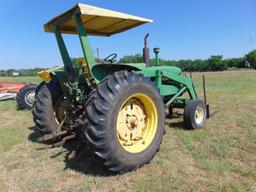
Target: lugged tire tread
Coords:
[[189, 108], [43, 108], [103, 96], [20, 97]]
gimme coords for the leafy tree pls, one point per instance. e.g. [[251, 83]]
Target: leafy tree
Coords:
[[215, 63], [235, 62], [2, 73], [251, 58], [138, 58]]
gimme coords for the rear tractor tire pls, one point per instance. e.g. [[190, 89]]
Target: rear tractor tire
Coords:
[[49, 108], [26, 96], [125, 121], [195, 114]]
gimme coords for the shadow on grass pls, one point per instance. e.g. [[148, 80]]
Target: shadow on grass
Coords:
[[175, 121], [175, 115], [82, 162], [19, 108], [176, 125], [34, 135]]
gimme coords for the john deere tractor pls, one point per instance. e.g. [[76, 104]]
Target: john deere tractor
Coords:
[[118, 110]]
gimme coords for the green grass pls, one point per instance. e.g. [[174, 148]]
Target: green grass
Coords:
[[35, 79], [220, 157]]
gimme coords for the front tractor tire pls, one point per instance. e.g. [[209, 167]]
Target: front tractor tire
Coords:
[[125, 121], [49, 108], [195, 115]]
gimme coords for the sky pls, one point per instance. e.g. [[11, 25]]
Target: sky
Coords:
[[183, 29]]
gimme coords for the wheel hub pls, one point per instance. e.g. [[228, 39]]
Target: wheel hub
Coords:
[[30, 97], [136, 123], [131, 121], [199, 115], [61, 108]]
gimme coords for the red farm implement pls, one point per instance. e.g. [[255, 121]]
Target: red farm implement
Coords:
[[11, 86], [23, 92]]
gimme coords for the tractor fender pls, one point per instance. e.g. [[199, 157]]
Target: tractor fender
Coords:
[[100, 71], [151, 71]]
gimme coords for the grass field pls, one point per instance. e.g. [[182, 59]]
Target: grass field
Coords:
[[221, 157]]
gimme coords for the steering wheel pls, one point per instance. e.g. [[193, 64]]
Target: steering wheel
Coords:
[[110, 59]]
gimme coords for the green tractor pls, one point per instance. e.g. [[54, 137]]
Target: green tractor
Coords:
[[118, 110]]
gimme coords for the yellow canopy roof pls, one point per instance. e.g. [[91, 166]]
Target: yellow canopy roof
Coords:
[[97, 21]]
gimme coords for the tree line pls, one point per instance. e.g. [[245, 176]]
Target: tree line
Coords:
[[20, 72], [214, 63]]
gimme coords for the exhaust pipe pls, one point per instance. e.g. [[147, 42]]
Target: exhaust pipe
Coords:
[[146, 58]]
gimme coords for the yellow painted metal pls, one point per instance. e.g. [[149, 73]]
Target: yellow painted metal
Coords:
[[136, 123], [199, 115], [86, 70], [81, 61], [97, 21], [45, 75]]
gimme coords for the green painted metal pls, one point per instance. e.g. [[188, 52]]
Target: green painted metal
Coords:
[[100, 71], [139, 66], [61, 77], [181, 91], [186, 81], [151, 71], [169, 80], [166, 90], [157, 59], [179, 84], [159, 79], [156, 51], [70, 71], [69, 83], [87, 51]]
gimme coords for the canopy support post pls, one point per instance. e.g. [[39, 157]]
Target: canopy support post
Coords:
[[64, 54], [88, 53]]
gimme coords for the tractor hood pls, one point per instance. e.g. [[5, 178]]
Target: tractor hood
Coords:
[[97, 21]]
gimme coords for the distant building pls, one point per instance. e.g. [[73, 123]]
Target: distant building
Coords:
[[15, 74], [247, 64]]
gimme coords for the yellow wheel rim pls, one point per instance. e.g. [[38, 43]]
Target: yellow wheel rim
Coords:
[[199, 115], [137, 123]]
